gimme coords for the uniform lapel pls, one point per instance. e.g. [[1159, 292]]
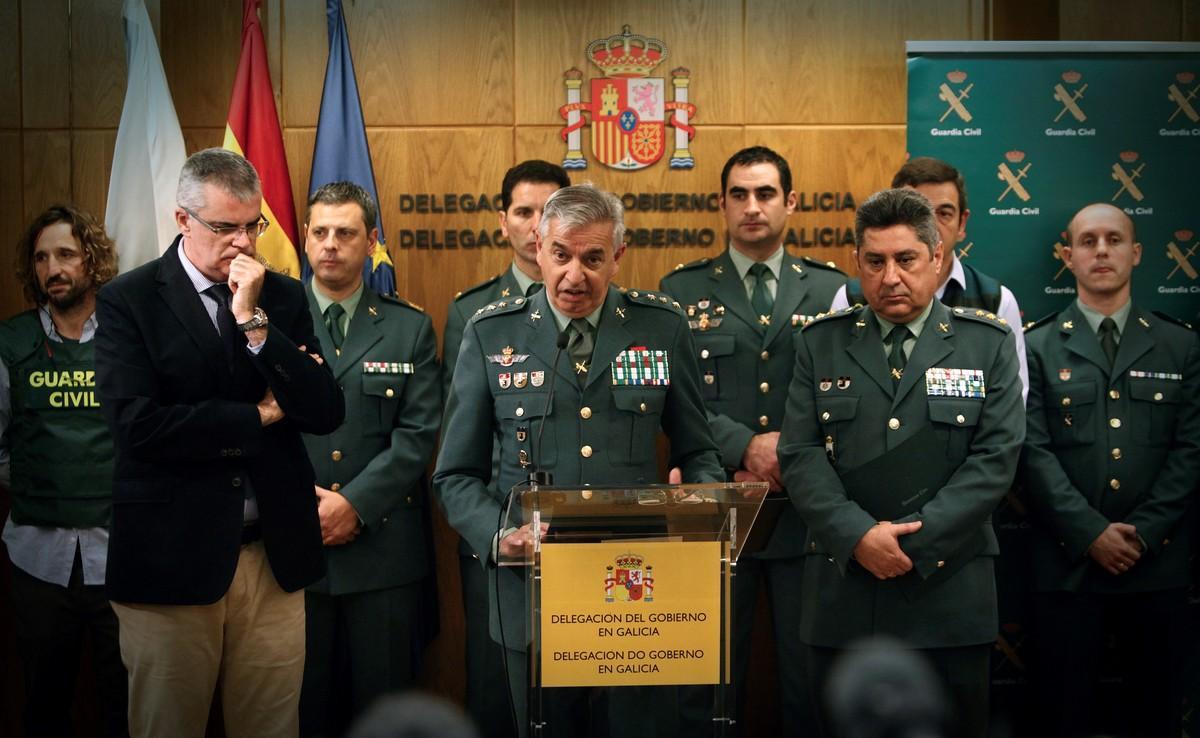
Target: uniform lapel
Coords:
[[789, 293], [612, 337], [364, 332], [932, 346], [1080, 339], [867, 350], [178, 292], [1135, 342], [320, 330], [730, 291], [541, 337]]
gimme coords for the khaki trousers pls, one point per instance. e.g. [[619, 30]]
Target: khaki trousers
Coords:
[[251, 641]]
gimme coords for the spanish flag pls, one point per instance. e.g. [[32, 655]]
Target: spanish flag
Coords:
[[252, 130]]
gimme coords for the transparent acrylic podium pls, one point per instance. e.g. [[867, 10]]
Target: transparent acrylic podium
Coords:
[[629, 592]]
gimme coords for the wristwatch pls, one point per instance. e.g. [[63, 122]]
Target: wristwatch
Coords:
[[258, 321]]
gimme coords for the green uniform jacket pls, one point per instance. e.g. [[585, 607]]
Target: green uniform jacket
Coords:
[[1107, 445], [842, 391], [745, 366], [600, 434], [463, 308], [389, 375]]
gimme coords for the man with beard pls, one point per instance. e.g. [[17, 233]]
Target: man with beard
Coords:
[[56, 456], [1112, 458]]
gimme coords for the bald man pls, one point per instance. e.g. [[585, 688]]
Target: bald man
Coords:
[[1113, 454]]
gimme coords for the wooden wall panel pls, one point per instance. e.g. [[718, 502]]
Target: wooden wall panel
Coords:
[[835, 61], [10, 64], [702, 35], [46, 165], [11, 225], [1191, 20], [1024, 20], [444, 63], [1120, 20], [45, 69], [98, 68], [195, 139], [91, 159], [200, 46]]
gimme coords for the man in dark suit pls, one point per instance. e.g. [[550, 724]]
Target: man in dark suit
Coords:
[[1112, 459], [744, 308], [902, 431], [364, 618], [598, 429], [208, 371], [523, 194]]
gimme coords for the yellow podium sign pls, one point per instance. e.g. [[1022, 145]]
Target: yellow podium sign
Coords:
[[630, 613]]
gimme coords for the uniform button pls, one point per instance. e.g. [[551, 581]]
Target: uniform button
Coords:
[[642, 407], [812, 546], [961, 419], [335, 486], [941, 564], [406, 499], [390, 392], [894, 424], [224, 452], [1166, 541], [1158, 397], [237, 452], [1114, 422], [709, 379], [1114, 483], [236, 482], [1116, 453], [1114, 394], [336, 455], [384, 520], [825, 415], [763, 420], [586, 452], [764, 388], [519, 412], [1066, 401], [765, 355], [585, 412], [703, 353]]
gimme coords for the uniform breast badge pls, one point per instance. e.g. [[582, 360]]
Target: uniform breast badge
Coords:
[[639, 365], [944, 382]]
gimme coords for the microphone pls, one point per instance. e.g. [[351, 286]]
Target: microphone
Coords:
[[537, 476]]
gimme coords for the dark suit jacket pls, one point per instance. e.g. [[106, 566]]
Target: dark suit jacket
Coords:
[[188, 437], [393, 410], [842, 395], [1112, 444]]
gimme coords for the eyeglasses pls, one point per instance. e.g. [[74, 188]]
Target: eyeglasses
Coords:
[[252, 230]]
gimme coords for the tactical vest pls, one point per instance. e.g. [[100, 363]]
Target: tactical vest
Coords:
[[60, 445], [981, 291]]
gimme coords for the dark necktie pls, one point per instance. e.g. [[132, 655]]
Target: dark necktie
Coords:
[[760, 297], [580, 348], [896, 358], [226, 325], [333, 321], [1108, 339], [533, 289]]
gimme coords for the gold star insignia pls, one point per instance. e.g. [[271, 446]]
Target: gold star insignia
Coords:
[[504, 292], [581, 367], [620, 312]]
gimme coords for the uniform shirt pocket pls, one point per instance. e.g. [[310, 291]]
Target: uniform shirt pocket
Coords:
[[635, 423], [835, 414], [519, 419], [1069, 410], [718, 373], [381, 398], [1154, 405], [954, 420]]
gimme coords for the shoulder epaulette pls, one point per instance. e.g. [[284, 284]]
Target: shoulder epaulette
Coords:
[[845, 312], [477, 287], [1173, 319], [981, 316], [398, 300], [828, 266], [1044, 320], [500, 307], [705, 261], [658, 299]]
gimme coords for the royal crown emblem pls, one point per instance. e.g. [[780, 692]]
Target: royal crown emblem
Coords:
[[629, 579], [628, 107]]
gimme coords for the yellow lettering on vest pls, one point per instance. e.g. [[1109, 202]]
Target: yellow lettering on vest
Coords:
[[77, 378], [57, 399], [37, 379]]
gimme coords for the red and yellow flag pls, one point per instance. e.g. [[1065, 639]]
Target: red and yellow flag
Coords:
[[252, 130]]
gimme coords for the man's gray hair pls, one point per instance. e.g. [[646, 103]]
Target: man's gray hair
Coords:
[[900, 206], [230, 172], [582, 205]]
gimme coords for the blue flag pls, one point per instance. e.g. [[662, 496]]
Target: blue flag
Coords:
[[341, 152]]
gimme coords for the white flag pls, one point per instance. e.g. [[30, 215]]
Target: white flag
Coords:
[[140, 215]]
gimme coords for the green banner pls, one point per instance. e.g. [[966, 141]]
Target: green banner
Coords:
[[1040, 129]]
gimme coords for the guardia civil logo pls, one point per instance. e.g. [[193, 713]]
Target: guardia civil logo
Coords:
[[629, 110], [1069, 92], [1126, 173], [1183, 95], [1015, 195], [1180, 258], [956, 97]]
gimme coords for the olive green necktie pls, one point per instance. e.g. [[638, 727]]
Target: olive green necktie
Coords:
[[760, 297], [333, 320], [1108, 339], [896, 358], [580, 348]]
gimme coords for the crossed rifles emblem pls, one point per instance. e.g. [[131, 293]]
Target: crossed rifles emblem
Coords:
[[954, 100], [1013, 179], [1183, 102], [1182, 258], [1070, 100], [1126, 178]]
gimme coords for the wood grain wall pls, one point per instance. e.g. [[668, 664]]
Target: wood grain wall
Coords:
[[456, 91]]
